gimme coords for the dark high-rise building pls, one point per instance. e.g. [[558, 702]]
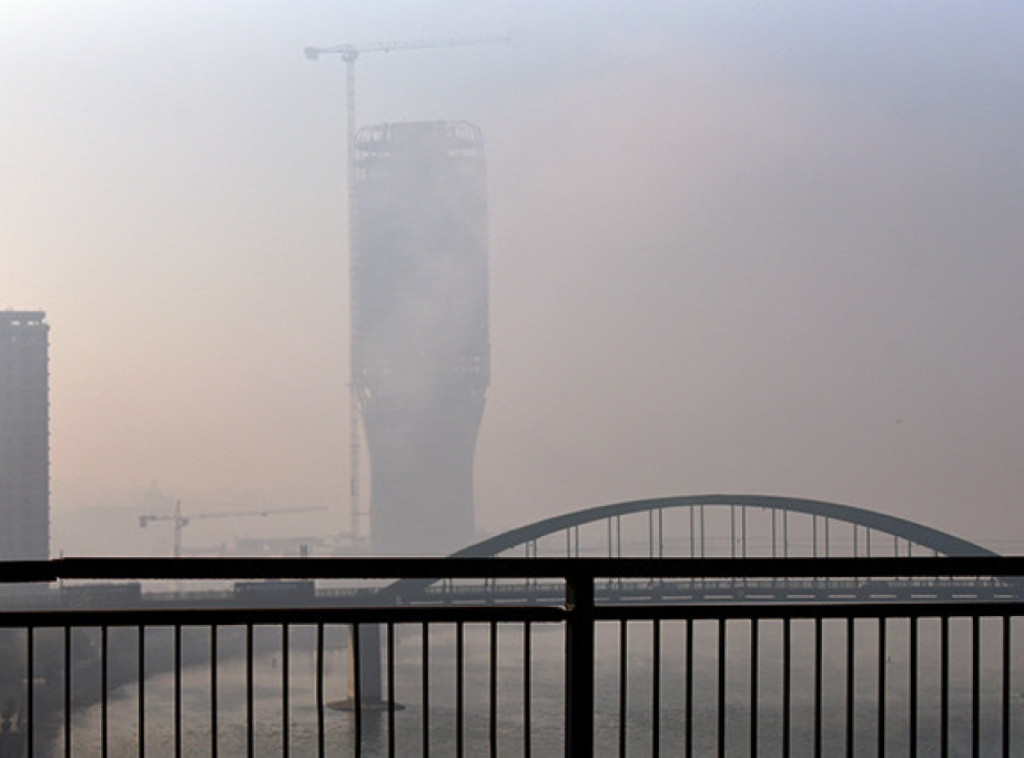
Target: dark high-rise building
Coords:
[[24, 436], [420, 342]]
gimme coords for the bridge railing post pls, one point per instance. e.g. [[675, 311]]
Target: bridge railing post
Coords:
[[579, 665]]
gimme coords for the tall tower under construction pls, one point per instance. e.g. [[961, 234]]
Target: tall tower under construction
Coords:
[[24, 436], [420, 335]]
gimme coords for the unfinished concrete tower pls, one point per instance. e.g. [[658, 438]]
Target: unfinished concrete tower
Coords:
[[420, 342], [24, 436]]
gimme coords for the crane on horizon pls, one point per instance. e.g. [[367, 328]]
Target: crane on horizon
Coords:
[[350, 54], [179, 521]]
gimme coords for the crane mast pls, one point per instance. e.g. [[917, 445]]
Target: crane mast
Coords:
[[349, 55]]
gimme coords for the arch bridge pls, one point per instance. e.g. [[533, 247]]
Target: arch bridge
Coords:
[[721, 526]]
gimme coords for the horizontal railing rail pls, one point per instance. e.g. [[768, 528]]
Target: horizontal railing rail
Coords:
[[111, 569]]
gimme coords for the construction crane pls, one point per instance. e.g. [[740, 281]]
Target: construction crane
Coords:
[[350, 54], [180, 521]]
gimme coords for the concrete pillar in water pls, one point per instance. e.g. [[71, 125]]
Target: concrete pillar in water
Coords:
[[371, 690]]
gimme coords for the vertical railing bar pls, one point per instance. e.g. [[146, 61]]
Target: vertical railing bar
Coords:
[[944, 687], [689, 688], [493, 686], [1006, 687], [213, 691], [656, 691], [975, 686], [285, 690], [30, 695], [320, 737], [392, 697], [882, 654], [914, 663], [785, 534], [142, 691], [425, 687], [67, 691], [579, 664], [818, 667], [623, 680], [774, 528], [104, 688], [787, 676], [828, 537], [851, 641], [755, 626], [460, 686], [250, 714], [721, 688], [357, 689], [177, 691], [527, 684]]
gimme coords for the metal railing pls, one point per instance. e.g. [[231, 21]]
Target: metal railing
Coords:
[[416, 675]]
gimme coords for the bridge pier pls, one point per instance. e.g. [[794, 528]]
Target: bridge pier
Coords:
[[366, 655], [371, 689]]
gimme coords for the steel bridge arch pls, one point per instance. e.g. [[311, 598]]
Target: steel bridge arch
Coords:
[[940, 542]]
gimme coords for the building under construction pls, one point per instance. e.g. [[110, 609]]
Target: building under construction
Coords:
[[24, 436], [420, 343]]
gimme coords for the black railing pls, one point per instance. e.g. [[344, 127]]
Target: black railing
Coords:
[[411, 674]]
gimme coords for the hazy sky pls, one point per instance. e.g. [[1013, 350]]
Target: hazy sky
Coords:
[[735, 247]]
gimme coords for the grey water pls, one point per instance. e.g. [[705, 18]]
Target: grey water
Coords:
[[546, 712]]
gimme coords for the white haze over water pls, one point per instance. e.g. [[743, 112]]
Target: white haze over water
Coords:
[[732, 249]]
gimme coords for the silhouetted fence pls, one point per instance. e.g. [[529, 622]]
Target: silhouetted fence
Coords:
[[412, 673]]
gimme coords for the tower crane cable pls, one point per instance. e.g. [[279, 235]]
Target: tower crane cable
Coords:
[[350, 54]]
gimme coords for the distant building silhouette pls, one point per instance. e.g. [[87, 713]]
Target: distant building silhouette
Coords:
[[421, 350], [24, 436]]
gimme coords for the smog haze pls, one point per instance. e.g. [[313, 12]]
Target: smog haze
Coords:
[[732, 248]]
